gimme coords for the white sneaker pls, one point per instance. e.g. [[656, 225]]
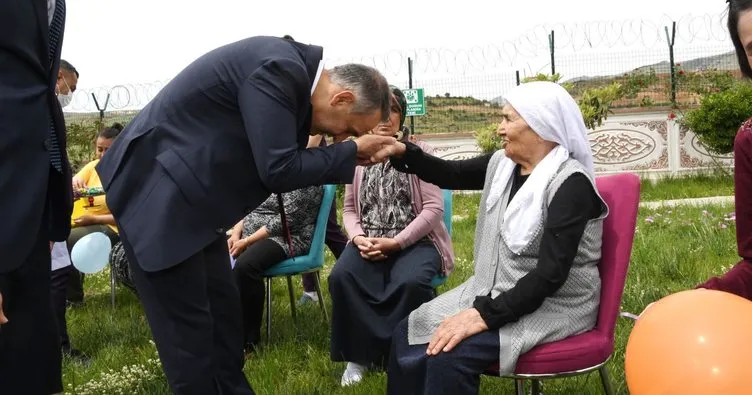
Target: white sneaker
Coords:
[[353, 374]]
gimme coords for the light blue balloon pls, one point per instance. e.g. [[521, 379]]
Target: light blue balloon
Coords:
[[91, 253]]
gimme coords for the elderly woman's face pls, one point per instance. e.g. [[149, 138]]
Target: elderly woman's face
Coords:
[[390, 127], [519, 140]]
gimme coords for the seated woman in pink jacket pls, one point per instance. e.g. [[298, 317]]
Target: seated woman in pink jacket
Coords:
[[398, 245]]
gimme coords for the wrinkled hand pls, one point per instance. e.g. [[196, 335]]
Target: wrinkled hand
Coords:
[[85, 220], [78, 183], [238, 247], [365, 247], [370, 147], [3, 318], [455, 329]]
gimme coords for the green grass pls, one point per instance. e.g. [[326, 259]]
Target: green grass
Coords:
[[674, 249], [714, 183]]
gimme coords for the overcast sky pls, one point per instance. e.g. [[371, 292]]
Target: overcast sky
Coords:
[[142, 41]]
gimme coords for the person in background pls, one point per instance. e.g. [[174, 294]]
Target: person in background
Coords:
[[97, 217], [67, 81], [335, 240], [399, 244], [259, 241], [36, 196], [738, 280]]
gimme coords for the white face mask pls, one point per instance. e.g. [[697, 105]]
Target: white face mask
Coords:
[[65, 99]]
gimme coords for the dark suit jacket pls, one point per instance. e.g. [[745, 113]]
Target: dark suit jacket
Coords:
[[213, 144], [31, 191]]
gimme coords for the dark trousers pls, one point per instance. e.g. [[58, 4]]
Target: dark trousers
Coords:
[[30, 357], [249, 269], [193, 310], [370, 298], [75, 283], [335, 240], [413, 372], [59, 283]]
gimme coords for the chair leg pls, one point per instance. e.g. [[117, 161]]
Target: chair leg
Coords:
[[608, 387], [519, 387], [292, 297], [537, 388], [112, 285], [321, 296], [268, 309]]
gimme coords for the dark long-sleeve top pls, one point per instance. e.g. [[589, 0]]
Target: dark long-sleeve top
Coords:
[[574, 204]]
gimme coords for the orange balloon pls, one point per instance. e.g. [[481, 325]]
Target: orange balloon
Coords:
[[692, 343]]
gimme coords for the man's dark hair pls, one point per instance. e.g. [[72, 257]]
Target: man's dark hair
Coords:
[[288, 37], [736, 7], [68, 67], [371, 89]]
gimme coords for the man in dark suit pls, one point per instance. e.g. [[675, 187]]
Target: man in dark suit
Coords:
[[227, 131], [36, 196]]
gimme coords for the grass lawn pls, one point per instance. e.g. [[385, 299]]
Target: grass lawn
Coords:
[[674, 250], [716, 183]]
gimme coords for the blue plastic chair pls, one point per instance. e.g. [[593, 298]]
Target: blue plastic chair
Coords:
[[303, 264], [440, 279]]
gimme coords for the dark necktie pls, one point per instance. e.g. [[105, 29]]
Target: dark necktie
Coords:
[[55, 29]]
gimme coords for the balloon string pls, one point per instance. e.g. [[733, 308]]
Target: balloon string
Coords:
[[629, 315]]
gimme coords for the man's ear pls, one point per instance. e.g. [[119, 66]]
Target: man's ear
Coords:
[[344, 97]]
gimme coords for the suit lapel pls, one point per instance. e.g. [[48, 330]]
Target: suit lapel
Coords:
[[313, 56]]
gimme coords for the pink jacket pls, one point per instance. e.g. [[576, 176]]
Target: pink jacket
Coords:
[[428, 204]]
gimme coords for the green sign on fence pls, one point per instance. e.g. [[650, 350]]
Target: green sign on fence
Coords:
[[416, 102]]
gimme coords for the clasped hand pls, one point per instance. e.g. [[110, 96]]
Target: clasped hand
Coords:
[[374, 149], [376, 248]]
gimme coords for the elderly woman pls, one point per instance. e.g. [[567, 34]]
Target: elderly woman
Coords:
[[537, 247], [399, 244]]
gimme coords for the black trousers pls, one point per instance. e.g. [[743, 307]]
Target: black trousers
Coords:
[[30, 357], [75, 283], [60, 279], [193, 310], [249, 269], [413, 372]]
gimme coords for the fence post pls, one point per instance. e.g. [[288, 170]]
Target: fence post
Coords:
[[410, 85], [102, 109], [551, 47], [671, 39], [517, 73]]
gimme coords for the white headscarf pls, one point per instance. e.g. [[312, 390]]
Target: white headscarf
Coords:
[[553, 114]]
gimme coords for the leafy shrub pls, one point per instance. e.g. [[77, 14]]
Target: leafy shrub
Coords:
[[487, 139], [719, 116]]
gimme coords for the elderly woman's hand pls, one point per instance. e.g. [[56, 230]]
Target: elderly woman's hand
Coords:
[[455, 329]]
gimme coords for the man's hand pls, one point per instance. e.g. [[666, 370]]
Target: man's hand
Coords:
[[3, 318], [455, 329], [370, 146]]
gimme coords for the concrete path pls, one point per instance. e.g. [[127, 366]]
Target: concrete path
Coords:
[[689, 202]]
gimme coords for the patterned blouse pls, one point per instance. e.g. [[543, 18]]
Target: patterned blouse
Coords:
[[301, 207], [385, 201]]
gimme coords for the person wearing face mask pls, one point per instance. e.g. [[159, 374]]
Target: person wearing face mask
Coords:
[[399, 243], [67, 79]]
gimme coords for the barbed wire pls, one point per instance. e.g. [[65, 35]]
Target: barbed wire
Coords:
[[528, 52]]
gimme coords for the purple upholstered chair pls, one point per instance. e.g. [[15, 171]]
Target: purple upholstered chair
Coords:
[[591, 350]]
